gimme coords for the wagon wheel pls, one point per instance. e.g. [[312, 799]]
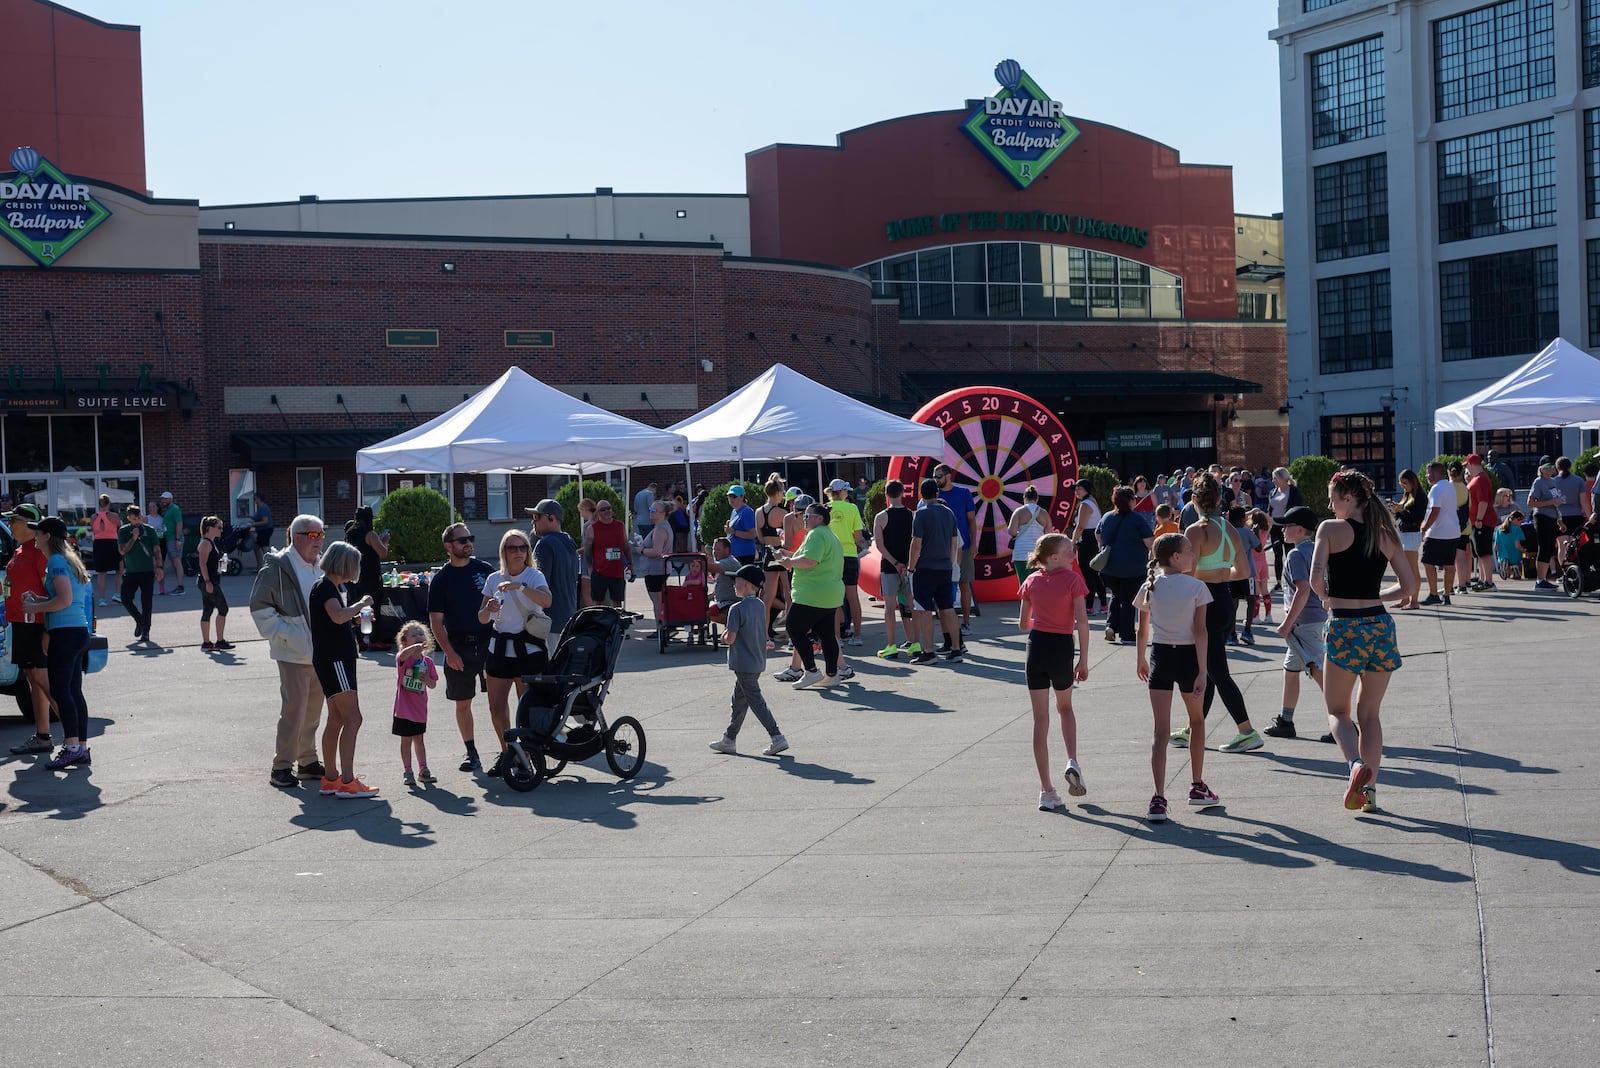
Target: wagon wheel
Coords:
[[625, 747]]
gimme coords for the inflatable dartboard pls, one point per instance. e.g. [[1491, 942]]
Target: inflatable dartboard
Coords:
[[998, 442]]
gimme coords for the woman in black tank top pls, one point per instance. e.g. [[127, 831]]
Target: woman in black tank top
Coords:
[[769, 539], [1353, 551]]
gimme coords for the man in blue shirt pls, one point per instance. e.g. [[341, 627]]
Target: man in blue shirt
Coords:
[[959, 500], [741, 529]]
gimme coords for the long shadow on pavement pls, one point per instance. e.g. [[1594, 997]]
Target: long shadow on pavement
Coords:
[[60, 795], [604, 802], [1575, 857], [1394, 775]]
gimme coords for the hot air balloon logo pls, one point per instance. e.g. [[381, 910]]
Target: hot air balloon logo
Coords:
[[1008, 72], [25, 160]]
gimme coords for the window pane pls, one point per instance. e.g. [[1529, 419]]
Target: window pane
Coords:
[[1347, 93], [499, 487], [1035, 263], [1494, 57], [72, 442], [1004, 263], [120, 443], [972, 302], [1352, 207], [1502, 305], [74, 499], [1497, 181], [1354, 331], [122, 489], [27, 444], [1005, 302], [969, 263], [373, 490], [933, 265], [1036, 302], [937, 301]]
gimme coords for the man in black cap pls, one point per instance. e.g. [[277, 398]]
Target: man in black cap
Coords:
[[557, 559]]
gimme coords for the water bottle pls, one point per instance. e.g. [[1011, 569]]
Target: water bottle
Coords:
[[366, 619]]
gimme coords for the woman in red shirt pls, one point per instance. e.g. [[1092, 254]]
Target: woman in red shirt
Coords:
[[106, 559]]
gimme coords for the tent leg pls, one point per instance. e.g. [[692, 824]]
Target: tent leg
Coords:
[[820, 497], [688, 493]]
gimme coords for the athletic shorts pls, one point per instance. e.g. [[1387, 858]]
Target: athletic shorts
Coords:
[[1439, 552], [603, 588], [458, 685], [1483, 541], [930, 588], [967, 566], [106, 556], [1304, 647], [1411, 541], [27, 645], [1464, 543], [408, 728], [852, 570], [336, 676], [1051, 658], [510, 659], [1363, 643], [652, 583], [889, 584], [1173, 665]]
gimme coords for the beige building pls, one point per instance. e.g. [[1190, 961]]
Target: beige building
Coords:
[[1258, 248]]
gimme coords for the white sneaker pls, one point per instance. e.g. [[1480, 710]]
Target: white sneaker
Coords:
[[828, 682], [1049, 801], [724, 745], [1074, 777], [808, 680], [778, 744], [846, 672], [788, 674]]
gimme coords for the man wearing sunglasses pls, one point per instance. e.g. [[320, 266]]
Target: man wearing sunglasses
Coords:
[[605, 549], [280, 605], [454, 597]]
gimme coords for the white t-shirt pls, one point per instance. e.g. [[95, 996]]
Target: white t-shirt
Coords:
[[1442, 495], [515, 607], [1171, 603]]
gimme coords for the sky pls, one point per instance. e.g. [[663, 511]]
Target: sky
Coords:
[[248, 102]]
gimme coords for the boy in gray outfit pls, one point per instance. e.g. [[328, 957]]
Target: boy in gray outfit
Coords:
[[746, 636]]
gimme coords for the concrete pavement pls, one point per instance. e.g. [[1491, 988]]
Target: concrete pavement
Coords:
[[883, 893]]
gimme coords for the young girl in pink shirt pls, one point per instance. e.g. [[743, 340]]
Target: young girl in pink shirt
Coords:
[[1052, 610], [415, 675]]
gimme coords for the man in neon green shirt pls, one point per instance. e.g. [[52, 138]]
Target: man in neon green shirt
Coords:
[[845, 521]]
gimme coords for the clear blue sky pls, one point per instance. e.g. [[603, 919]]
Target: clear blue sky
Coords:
[[359, 98]]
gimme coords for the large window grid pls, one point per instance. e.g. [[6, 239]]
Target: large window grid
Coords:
[[1494, 57], [1365, 442], [1023, 280], [1594, 293], [1591, 160], [1347, 93], [1354, 332], [1591, 43], [1352, 203], [1318, 5], [1503, 305], [62, 463], [1497, 181]]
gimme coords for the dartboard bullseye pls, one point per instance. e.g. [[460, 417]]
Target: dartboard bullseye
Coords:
[[998, 442]]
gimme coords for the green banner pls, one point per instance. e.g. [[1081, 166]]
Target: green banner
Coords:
[[1143, 440]]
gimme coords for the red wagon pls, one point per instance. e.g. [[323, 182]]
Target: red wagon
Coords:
[[687, 614]]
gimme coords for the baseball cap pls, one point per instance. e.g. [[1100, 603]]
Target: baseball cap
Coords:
[[50, 524], [791, 493], [1474, 458], [547, 507], [1545, 461], [838, 485], [751, 573], [1300, 516], [24, 511], [166, 495], [736, 490], [804, 501]]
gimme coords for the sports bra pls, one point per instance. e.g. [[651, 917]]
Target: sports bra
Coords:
[[1352, 574], [1222, 555], [765, 529]]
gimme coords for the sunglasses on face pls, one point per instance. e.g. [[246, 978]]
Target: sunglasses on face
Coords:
[[314, 535], [468, 540], [516, 548], [605, 508]]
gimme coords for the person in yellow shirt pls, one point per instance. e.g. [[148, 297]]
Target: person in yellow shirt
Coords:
[[844, 519]]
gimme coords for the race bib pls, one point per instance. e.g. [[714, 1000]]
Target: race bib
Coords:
[[613, 554]]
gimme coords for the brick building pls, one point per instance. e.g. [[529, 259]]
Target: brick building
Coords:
[[210, 349]]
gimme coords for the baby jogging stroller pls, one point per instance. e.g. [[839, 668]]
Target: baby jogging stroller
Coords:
[[1583, 574], [561, 715], [239, 539]]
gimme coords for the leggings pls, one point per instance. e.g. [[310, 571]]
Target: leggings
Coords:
[[1219, 621], [64, 665], [807, 621], [1275, 539], [1087, 548]]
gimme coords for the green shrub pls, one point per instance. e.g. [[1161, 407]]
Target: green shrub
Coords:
[[1311, 474], [569, 495], [877, 500], [715, 512], [416, 518], [1103, 481], [1585, 458]]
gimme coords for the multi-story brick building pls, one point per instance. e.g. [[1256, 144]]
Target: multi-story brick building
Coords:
[[207, 349]]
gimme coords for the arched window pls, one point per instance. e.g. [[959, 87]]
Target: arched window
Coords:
[[1024, 280]]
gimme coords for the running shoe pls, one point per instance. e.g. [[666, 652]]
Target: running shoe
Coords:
[[1233, 639], [283, 779], [1280, 728], [955, 654], [313, 770], [1360, 776], [1049, 801], [777, 745], [67, 756], [1180, 738], [1201, 796], [1158, 809], [724, 745], [828, 682], [966, 629], [1431, 600], [356, 788], [409, 778], [846, 672], [1369, 798], [426, 776], [471, 762], [1541, 585], [1074, 777], [1242, 742], [788, 674], [329, 785], [206, 647], [223, 647], [911, 648], [923, 658], [1445, 600], [853, 642], [889, 652], [1111, 636], [101, 602], [1247, 637], [38, 743], [808, 679]]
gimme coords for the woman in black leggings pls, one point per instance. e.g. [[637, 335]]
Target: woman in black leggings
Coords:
[[1220, 559]]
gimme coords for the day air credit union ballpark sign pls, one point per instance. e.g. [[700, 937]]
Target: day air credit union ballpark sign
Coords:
[[1020, 128], [42, 211]]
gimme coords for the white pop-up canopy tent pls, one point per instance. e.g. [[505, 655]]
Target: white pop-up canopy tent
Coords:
[[1558, 387], [519, 425], [783, 415]]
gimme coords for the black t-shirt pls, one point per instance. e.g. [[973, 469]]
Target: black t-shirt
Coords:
[[897, 532], [330, 641], [457, 592]]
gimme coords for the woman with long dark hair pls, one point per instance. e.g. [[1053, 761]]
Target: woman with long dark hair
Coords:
[[1353, 551], [374, 551], [1085, 521], [1129, 536], [66, 584], [1220, 560], [1409, 512]]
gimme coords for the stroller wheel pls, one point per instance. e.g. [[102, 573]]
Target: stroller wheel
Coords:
[[524, 770], [1572, 582], [625, 747]]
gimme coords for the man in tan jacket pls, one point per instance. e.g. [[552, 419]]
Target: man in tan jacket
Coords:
[[279, 604]]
